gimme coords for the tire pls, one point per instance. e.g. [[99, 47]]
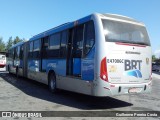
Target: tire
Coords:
[[52, 82]]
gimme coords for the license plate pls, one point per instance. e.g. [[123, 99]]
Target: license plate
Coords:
[[133, 90]]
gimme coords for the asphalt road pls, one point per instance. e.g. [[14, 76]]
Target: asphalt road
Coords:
[[26, 95]]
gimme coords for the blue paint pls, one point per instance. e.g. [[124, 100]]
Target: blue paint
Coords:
[[135, 73], [76, 66], [58, 65], [139, 74], [33, 65], [88, 66], [21, 64], [88, 69]]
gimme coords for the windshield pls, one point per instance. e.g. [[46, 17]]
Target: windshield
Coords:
[[116, 31]]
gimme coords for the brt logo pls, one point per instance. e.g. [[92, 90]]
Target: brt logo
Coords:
[[132, 64], [133, 67]]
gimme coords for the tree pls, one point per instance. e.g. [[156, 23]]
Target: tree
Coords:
[[16, 40], [9, 43], [2, 45], [153, 58]]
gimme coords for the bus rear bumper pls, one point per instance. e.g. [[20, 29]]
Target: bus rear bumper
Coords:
[[119, 89]]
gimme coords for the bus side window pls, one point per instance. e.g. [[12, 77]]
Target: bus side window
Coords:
[[21, 53], [9, 53], [63, 44], [36, 49], [12, 53], [54, 45], [30, 53], [89, 39], [44, 51], [17, 52], [78, 42]]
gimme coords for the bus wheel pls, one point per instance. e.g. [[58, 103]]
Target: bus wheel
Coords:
[[52, 82]]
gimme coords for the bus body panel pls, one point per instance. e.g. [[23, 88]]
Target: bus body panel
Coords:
[[20, 68], [127, 66], [14, 64], [119, 81], [87, 66], [108, 89], [57, 65], [13, 60], [33, 69], [74, 84]]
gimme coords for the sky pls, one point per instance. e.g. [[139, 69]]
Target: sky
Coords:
[[26, 18]]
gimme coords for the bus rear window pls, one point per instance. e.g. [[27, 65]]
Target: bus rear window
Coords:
[[116, 31]]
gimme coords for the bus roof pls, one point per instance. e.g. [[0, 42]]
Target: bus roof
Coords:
[[80, 21], [61, 27], [19, 43], [121, 17]]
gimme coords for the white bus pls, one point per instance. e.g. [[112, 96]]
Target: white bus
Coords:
[[2, 61], [98, 55]]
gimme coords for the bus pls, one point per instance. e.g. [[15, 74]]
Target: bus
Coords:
[[2, 61], [98, 55]]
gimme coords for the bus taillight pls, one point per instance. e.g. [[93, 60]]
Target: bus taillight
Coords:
[[103, 70]]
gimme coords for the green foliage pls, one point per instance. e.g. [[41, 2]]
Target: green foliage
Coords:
[[16, 40], [12, 42], [2, 45], [9, 43], [153, 58]]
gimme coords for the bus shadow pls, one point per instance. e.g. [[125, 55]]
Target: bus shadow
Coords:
[[66, 98]]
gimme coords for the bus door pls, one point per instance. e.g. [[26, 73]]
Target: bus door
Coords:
[[44, 48], [24, 56], [14, 58], [69, 52], [75, 47]]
